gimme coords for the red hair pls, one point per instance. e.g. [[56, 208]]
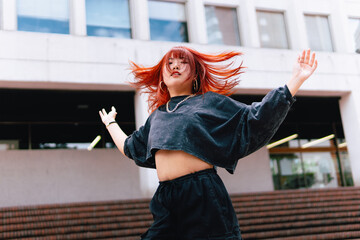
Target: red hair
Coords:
[[210, 75]]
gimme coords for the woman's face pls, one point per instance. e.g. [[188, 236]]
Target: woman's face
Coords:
[[177, 79]]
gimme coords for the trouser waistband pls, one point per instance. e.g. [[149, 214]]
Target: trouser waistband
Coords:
[[189, 176]]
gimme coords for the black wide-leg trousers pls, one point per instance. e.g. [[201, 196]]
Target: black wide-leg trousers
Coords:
[[195, 206]]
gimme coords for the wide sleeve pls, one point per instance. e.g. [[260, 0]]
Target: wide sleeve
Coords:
[[262, 119], [135, 146]]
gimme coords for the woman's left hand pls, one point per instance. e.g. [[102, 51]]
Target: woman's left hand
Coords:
[[305, 65], [303, 69]]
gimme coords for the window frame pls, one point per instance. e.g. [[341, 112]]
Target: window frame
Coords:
[[130, 22], [229, 6], [185, 2], [352, 40], [286, 26], [329, 21], [69, 20]]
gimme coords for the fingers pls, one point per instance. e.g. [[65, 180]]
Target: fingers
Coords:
[[103, 112], [307, 57], [302, 58], [312, 60]]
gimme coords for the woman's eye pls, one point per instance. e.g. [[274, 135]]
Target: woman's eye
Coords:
[[170, 63]]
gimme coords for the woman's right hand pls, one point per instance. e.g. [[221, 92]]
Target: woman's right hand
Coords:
[[115, 131], [106, 118]]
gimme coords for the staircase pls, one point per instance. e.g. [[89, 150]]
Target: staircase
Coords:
[[296, 214], [300, 214]]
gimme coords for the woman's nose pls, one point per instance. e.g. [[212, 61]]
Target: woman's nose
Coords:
[[175, 65]]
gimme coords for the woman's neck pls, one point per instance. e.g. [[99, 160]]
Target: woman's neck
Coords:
[[179, 93]]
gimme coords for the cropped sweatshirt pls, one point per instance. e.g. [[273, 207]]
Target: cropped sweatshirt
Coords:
[[212, 127]]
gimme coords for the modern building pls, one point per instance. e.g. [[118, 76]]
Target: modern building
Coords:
[[61, 61]]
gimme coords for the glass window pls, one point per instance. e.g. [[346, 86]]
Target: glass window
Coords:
[[320, 169], [222, 25], [272, 30], [167, 21], [14, 135], [296, 167], [287, 171], [108, 18], [43, 16], [354, 24], [318, 32], [69, 121], [346, 168], [64, 135]]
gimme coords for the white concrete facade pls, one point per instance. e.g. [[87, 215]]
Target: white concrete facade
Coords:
[[76, 61]]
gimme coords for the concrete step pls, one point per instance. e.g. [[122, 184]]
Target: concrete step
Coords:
[[293, 214]]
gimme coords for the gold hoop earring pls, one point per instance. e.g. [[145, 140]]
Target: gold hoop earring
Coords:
[[160, 85], [196, 86]]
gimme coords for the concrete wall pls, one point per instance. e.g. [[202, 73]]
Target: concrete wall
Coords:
[[60, 176], [252, 174]]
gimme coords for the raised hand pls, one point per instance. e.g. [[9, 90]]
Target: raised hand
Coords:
[[106, 118], [115, 131], [303, 69], [305, 65]]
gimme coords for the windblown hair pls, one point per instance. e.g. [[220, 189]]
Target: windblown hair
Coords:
[[205, 68]]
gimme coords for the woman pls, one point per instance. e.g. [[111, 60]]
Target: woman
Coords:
[[194, 128]]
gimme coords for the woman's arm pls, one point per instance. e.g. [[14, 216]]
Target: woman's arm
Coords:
[[115, 131], [303, 69]]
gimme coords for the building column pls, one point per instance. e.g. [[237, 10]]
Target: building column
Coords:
[[249, 32], [296, 26], [77, 17], [139, 19], [350, 115], [196, 21], [339, 28], [8, 15], [148, 177]]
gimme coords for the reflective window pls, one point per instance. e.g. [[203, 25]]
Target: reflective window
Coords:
[[346, 168], [167, 21], [287, 171], [311, 163], [108, 18], [320, 170], [222, 25], [354, 24], [70, 120], [294, 165], [43, 16], [272, 30], [318, 32]]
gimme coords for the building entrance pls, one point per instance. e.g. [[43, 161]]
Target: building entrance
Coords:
[[309, 149]]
